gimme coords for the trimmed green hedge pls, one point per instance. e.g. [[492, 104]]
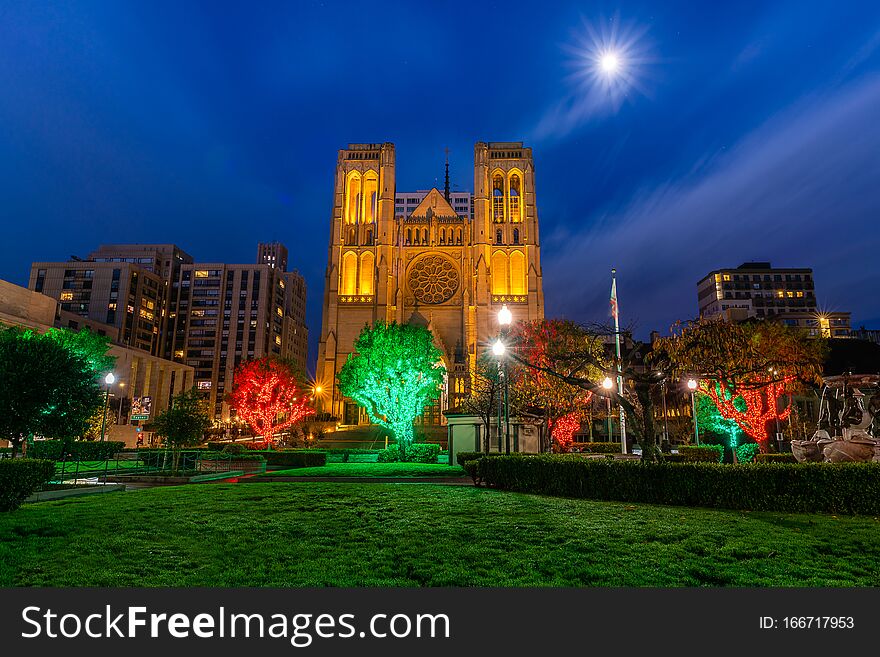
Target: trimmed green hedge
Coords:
[[84, 450], [21, 477], [304, 459], [697, 454], [775, 458], [596, 448], [417, 453], [464, 457], [845, 488]]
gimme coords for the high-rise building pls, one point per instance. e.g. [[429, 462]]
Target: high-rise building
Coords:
[[122, 294], [207, 316], [756, 289], [273, 254], [450, 268]]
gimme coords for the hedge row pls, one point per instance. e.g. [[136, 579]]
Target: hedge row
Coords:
[[464, 457], [21, 477], [845, 488], [84, 450], [697, 454], [775, 458], [415, 453], [304, 459], [596, 448]]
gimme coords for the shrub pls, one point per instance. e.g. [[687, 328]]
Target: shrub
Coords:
[[775, 458], [234, 448], [296, 459], [596, 448], [463, 457], [21, 477], [698, 454], [84, 450], [416, 453], [746, 452], [848, 488]]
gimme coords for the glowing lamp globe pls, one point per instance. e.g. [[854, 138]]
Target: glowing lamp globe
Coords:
[[109, 379], [498, 348], [505, 317], [692, 384], [607, 383]]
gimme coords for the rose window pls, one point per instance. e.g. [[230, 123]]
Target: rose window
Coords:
[[433, 279]]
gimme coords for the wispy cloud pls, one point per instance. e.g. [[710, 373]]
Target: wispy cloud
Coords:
[[801, 190]]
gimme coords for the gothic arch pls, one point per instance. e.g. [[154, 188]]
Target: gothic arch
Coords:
[[367, 273], [348, 283]]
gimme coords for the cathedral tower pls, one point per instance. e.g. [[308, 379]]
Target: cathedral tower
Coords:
[[431, 264]]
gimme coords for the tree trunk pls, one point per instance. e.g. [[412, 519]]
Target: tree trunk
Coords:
[[649, 438]]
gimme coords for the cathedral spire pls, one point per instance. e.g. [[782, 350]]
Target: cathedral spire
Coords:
[[446, 189]]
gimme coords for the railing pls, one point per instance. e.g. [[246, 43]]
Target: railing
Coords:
[[143, 462]]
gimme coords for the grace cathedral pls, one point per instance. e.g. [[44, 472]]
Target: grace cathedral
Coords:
[[450, 269]]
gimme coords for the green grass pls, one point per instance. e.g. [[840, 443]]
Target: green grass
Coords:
[[373, 470], [338, 534]]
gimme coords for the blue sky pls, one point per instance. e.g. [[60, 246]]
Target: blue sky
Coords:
[[744, 130]]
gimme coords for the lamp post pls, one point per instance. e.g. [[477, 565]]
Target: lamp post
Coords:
[[109, 379], [607, 384], [692, 386], [498, 349], [317, 397], [119, 410], [665, 422], [505, 317]]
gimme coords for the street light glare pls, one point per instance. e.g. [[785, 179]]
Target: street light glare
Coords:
[[498, 348], [692, 384], [505, 317], [109, 379], [607, 383]]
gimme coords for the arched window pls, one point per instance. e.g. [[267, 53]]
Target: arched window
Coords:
[[442, 236], [349, 273], [367, 273], [498, 199], [371, 188], [517, 273], [498, 237], [369, 236], [514, 198], [349, 237], [353, 200], [417, 237], [409, 236], [516, 235], [499, 273], [425, 236], [459, 235]]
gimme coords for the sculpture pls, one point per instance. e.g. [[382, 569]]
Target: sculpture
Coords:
[[848, 408]]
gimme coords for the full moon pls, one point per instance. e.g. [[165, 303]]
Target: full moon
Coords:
[[609, 63]]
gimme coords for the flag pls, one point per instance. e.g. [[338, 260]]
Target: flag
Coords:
[[614, 310]]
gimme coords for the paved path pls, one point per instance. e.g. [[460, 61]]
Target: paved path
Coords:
[[460, 481]]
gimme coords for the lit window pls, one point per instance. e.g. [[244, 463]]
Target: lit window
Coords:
[[201, 273], [178, 353], [780, 294], [111, 306], [281, 284], [278, 340], [279, 312], [726, 277], [67, 296]]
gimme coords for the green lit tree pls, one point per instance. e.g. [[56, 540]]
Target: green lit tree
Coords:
[[184, 423], [46, 388], [395, 371], [88, 345], [710, 420]]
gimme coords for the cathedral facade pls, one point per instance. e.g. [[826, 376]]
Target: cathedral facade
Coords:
[[435, 266]]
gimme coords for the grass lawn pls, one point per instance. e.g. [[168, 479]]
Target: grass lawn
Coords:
[[338, 534], [373, 470]]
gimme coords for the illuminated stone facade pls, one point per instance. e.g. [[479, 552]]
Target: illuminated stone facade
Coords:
[[447, 270]]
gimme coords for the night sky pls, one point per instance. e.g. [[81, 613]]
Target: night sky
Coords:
[[736, 131]]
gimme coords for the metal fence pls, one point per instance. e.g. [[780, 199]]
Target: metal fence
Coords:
[[75, 470]]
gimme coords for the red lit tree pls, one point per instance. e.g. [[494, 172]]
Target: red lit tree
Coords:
[[550, 351], [761, 401], [267, 395]]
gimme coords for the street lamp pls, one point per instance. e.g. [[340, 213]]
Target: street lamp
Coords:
[[505, 317], [607, 383], [692, 386], [109, 379]]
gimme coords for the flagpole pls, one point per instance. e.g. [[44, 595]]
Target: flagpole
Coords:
[[616, 313]]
